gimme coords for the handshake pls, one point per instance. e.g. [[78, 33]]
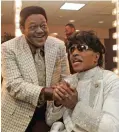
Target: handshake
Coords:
[[62, 94]]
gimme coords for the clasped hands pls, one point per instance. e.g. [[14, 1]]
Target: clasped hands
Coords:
[[64, 95]]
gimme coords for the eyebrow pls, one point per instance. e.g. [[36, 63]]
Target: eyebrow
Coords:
[[34, 22]]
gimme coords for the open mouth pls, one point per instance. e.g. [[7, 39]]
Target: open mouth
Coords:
[[40, 36], [77, 60]]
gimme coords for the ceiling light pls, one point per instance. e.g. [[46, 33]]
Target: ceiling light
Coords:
[[101, 22], [55, 33], [71, 20], [72, 6], [77, 30]]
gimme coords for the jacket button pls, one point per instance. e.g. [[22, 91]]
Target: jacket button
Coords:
[[30, 116]]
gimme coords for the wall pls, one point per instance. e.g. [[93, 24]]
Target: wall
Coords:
[[102, 33], [9, 28], [110, 53]]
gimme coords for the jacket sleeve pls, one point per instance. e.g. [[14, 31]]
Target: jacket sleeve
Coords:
[[53, 113], [86, 118], [64, 61], [16, 86]]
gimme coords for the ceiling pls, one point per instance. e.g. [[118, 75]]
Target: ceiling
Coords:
[[88, 16]]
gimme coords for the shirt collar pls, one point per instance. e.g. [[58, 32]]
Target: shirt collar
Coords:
[[88, 74]]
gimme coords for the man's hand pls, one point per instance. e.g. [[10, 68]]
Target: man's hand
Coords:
[[47, 93], [65, 95]]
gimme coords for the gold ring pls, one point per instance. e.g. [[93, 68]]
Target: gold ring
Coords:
[[67, 96]]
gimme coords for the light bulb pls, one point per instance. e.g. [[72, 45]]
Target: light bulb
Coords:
[[115, 23], [116, 71], [115, 59], [115, 35]]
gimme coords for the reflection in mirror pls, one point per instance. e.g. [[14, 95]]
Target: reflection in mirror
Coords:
[[116, 34], [95, 15]]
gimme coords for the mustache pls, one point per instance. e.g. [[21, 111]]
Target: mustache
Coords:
[[76, 57]]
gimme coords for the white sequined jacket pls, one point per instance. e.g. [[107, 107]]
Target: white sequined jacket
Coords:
[[98, 106]]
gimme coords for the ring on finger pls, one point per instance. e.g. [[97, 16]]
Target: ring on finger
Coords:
[[67, 96]]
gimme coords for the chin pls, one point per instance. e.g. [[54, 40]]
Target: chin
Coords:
[[39, 44], [77, 69]]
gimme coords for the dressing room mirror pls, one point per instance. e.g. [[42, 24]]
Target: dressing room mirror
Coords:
[[94, 15]]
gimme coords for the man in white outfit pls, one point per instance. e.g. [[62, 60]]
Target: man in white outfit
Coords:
[[88, 101]]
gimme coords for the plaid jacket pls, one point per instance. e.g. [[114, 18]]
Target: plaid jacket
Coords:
[[20, 90]]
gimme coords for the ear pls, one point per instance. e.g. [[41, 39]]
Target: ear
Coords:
[[73, 29], [97, 56], [22, 29]]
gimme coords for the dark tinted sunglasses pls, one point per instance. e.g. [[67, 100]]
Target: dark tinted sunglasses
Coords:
[[81, 48]]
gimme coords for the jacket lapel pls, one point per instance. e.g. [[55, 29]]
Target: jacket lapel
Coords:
[[50, 57], [27, 59], [96, 85]]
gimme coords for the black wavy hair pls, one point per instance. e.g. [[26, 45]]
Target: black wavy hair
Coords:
[[27, 11], [89, 38], [70, 25]]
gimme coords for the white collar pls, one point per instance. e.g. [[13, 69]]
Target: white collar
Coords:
[[89, 73]]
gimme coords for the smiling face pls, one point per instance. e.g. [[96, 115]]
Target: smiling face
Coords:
[[83, 60], [35, 30]]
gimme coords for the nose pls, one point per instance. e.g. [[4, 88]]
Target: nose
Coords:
[[39, 29], [75, 54]]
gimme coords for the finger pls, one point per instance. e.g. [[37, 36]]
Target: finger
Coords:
[[69, 91], [64, 86], [54, 87], [63, 95], [56, 97], [62, 90], [73, 91], [65, 83], [59, 93]]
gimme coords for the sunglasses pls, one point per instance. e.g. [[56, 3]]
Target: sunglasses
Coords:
[[81, 48]]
